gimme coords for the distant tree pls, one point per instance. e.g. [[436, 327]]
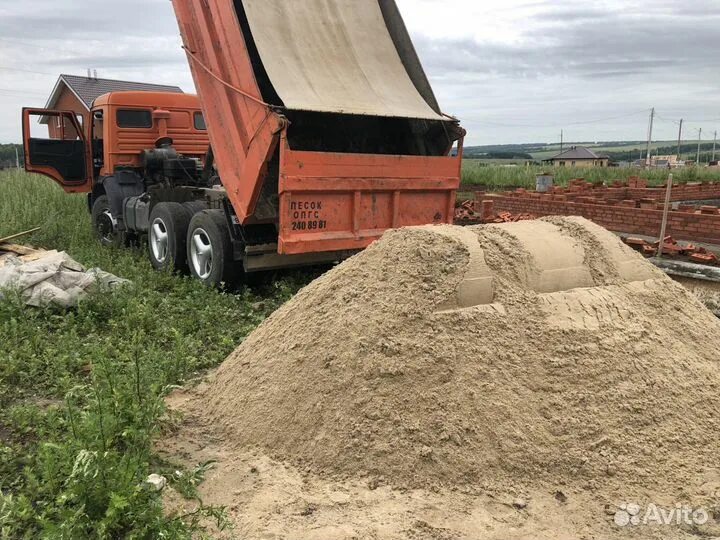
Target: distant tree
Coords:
[[7, 154]]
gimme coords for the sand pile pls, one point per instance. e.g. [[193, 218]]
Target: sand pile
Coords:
[[708, 292], [366, 371], [522, 357]]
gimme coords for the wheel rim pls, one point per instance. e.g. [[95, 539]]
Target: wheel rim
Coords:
[[201, 253], [106, 226], [159, 240]]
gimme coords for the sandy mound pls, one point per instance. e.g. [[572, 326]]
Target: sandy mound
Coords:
[[522, 357], [708, 292]]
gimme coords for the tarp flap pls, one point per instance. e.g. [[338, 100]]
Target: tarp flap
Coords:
[[334, 56]]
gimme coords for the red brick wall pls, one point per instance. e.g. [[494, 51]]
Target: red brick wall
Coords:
[[680, 192], [67, 102], [681, 225]]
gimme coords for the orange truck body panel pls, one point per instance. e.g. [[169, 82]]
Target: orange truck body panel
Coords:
[[331, 201], [328, 201], [243, 132]]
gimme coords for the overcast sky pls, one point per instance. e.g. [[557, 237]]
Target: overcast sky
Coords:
[[511, 70]]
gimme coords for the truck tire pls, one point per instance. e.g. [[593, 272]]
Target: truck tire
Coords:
[[209, 249], [195, 206], [104, 223], [169, 223]]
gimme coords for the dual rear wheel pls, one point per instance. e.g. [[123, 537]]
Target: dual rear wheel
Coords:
[[169, 223], [210, 249], [182, 237], [186, 237]]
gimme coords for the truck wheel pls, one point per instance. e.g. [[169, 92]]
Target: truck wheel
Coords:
[[195, 206], [169, 223], [209, 248], [104, 224]]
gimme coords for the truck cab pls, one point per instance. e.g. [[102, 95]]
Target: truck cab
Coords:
[[136, 143], [124, 124]]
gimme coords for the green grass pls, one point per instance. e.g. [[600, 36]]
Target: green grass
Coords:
[[81, 390], [498, 177]]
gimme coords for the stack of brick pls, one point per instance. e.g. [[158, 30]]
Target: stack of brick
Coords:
[[635, 182], [469, 213], [465, 213]]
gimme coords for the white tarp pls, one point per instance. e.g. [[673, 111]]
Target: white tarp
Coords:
[[54, 278], [334, 56]]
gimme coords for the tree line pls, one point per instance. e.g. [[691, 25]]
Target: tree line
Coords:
[[688, 151], [7, 155]]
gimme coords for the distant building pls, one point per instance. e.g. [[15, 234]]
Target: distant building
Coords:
[[664, 161], [660, 162], [76, 93], [578, 156]]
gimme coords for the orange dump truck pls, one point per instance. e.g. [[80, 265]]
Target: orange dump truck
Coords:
[[324, 132]]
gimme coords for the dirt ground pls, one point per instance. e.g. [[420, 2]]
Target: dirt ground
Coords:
[[269, 500]]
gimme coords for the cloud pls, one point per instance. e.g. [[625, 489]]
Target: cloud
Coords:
[[562, 63], [55, 20], [512, 72]]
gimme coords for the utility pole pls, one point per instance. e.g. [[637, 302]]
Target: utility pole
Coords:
[[17, 158], [680, 141], [650, 130], [697, 162], [714, 145], [562, 134]]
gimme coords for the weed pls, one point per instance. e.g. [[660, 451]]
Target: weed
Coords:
[[81, 391], [187, 482]]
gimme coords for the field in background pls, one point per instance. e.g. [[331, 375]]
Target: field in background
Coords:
[[81, 390], [617, 150], [634, 150], [502, 176]]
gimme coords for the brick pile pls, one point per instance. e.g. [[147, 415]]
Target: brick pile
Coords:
[[673, 249], [467, 213]]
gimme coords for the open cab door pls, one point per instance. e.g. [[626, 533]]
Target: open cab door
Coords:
[[55, 146]]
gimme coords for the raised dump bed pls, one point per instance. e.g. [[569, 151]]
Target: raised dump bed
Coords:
[[321, 119]]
